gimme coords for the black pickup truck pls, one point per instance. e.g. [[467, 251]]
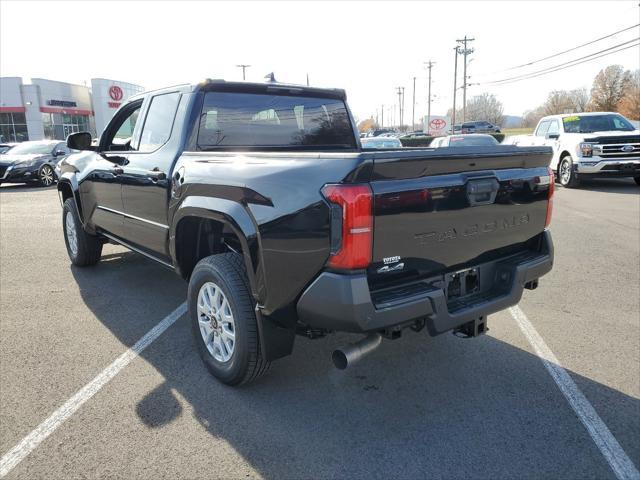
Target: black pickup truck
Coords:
[[261, 196]]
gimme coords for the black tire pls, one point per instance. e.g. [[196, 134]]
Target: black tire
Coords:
[[567, 176], [637, 180], [88, 247], [227, 271], [46, 176]]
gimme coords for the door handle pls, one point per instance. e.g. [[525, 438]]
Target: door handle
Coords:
[[157, 174]]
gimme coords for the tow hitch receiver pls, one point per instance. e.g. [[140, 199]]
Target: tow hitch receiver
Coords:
[[474, 328]]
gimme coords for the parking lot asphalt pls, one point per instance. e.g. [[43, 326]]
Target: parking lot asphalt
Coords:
[[418, 407]]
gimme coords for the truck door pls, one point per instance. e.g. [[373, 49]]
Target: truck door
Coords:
[[552, 140], [101, 189], [146, 178]]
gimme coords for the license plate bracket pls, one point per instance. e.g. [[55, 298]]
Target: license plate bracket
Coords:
[[462, 283]]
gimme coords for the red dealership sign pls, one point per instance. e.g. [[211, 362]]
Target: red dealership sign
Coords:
[[115, 92]]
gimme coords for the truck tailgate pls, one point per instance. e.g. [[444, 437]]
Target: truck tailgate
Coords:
[[445, 209]]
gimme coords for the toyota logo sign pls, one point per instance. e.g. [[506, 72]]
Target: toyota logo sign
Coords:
[[437, 124], [115, 92]]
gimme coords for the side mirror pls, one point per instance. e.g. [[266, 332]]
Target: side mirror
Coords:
[[80, 141], [553, 136], [59, 153]]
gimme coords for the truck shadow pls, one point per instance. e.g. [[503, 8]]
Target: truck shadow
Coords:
[[418, 407], [611, 185]]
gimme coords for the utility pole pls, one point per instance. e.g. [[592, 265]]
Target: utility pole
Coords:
[[307, 79], [413, 112], [399, 105], [402, 111], [382, 123], [456, 49], [465, 51], [243, 67], [429, 65]]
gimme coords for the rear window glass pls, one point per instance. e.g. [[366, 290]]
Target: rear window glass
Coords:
[[266, 120], [465, 141]]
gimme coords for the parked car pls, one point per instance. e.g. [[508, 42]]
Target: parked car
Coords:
[[382, 131], [587, 145], [260, 196], [479, 127], [34, 161], [5, 147], [413, 135], [470, 140], [457, 128], [381, 142]]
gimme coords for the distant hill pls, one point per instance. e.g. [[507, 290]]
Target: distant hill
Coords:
[[511, 121]]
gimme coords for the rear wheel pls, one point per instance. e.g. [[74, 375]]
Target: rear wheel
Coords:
[[83, 249], [46, 177], [223, 320], [567, 176]]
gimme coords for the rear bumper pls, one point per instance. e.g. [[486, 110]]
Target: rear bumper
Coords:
[[344, 302]]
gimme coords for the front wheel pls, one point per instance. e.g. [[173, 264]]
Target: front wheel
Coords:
[[223, 320], [83, 249], [46, 177], [567, 176]]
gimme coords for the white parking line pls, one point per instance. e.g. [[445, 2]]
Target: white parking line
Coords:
[[57, 418], [621, 464]]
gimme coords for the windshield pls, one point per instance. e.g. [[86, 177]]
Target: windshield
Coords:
[[381, 143], [32, 148], [466, 141], [596, 123]]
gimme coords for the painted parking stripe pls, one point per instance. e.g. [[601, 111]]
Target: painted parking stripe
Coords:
[[57, 418], [620, 463]]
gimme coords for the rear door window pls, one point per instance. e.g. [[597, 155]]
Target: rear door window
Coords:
[[159, 121], [266, 120]]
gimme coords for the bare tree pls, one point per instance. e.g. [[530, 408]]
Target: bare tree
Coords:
[[579, 99], [482, 107], [531, 117], [609, 88], [629, 105]]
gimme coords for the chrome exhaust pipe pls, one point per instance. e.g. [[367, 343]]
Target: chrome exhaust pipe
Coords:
[[350, 354]]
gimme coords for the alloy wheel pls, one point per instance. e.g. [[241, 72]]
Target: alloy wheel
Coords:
[[46, 176], [565, 172], [216, 322], [72, 236]]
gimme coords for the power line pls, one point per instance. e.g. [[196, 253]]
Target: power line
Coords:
[[573, 64], [555, 67], [565, 51]]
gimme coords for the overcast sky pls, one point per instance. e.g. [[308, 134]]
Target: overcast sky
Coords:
[[368, 48]]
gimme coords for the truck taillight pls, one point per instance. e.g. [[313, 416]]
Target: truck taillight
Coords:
[[552, 182], [352, 238]]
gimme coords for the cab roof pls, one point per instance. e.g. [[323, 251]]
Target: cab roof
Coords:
[[217, 85]]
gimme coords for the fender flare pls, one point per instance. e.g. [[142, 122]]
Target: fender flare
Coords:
[[235, 216], [71, 180]]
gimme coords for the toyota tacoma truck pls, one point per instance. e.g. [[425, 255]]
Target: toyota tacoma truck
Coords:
[[587, 145], [261, 197]]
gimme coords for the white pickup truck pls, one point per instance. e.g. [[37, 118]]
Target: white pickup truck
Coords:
[[594, 144]]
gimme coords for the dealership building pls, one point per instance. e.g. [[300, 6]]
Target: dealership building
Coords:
[[47, 109]]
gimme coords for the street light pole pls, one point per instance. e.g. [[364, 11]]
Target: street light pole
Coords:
[[243, 67]]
